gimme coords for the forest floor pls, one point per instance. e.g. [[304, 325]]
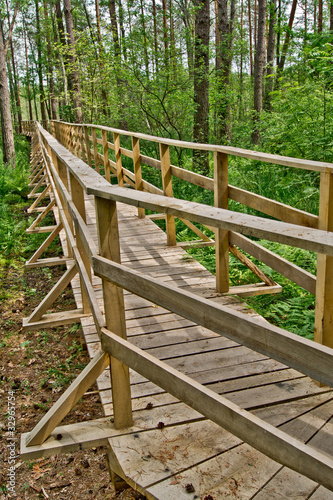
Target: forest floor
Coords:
[[35, 368]]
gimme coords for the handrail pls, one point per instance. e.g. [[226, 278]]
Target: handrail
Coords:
[[290, 234], [77, 138], [230, 150]]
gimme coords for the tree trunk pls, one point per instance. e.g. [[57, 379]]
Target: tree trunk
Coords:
[[155, 37], [201, 83], [39, 65], [6, 117], [259, 70], [320, 16], [145, 45], [49, 64], [226, 33], [165, 34], [73, 72], [270, 55], [28, 73], [331, 16], [287, 39], [114, 27], [250, 36]]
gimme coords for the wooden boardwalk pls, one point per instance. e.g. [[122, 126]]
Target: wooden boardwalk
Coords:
[[172, 452]]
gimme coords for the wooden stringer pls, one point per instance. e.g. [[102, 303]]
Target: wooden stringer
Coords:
[[39, 319]]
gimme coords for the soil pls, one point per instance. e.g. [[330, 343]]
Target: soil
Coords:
[[35, 368]]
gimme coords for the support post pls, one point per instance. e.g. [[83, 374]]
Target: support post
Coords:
[[120, 172], [167, 191], [87, 141], [108, 240], [77, 194], [137, 171], [323, 332], [221, 235], [62, 169], [106, 155], [96, 158]]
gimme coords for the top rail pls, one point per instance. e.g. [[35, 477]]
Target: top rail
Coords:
[[230, 150]]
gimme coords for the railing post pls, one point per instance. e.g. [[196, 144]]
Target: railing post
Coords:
[[167, 190], [323, 332], [137, 170], [87, 141], [82, 144], [108, 240], [77, 195], [221, 236], [96, 158], [106, 155], [120, 173], [62, 169]]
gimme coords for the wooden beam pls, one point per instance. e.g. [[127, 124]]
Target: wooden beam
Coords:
[[137, 170], [68, 399], [55, 319], [295, 273], [250, 265], [167, 191], [324, 288], [221, 235], [290, 234], [106, 155], [113, 297], [301, 354], [269, 440], [117, 152], [46, 243], [53, 294]]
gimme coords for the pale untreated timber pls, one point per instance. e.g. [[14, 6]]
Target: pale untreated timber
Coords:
[[243, 153], [271, 441], [53, 294], [221, 235], [273, 208], [290, 234], [68, 399], [301, 354], [99, 319], [46, 243], [295, 273], [324, 288], [113, 297], [167, 191]]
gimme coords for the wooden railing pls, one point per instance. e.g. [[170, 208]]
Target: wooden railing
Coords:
[[70, 178], [92, 144]]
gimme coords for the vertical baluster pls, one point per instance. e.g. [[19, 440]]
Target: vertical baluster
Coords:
[[87, 141], [96, 158], [324, 285], [106, 155], [137, 170], [120, 172], [221, 236], [167, 190]]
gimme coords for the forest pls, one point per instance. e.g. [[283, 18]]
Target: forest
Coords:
[[244, 73]]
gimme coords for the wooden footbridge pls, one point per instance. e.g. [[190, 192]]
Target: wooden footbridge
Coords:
[[202, 397]]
